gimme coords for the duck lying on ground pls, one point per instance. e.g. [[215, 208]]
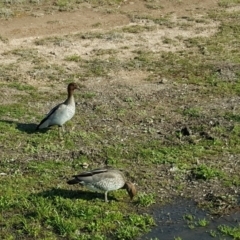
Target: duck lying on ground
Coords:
[[104, 180]]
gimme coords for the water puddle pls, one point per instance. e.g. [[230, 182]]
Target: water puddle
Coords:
[[183, 220]]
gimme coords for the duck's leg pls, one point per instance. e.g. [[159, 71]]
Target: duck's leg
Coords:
[[106, 198]]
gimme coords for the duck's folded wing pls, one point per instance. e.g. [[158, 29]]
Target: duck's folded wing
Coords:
[[49, 115], [91, 173], [53, 110]]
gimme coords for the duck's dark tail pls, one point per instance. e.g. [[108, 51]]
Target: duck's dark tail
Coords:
[[38, 126], [72, 181]]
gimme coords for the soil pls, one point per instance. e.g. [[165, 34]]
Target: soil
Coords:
[[57, 23], [24, 29]]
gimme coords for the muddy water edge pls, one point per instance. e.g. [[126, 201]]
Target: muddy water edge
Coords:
[[183, 219]]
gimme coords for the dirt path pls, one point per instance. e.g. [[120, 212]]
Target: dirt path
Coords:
[[22, 31], [86, 18]]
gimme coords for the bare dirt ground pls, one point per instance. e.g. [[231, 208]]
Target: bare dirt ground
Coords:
[[40, 24], [23, 30]]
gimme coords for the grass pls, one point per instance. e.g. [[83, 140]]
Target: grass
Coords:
[[60, 212], [224, 3], [233, 232], [146, 200], [137, 29], [138, 128], [204, 172], [203, 222], [192, 222]]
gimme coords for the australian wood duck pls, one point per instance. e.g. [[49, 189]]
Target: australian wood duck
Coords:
[[104, 180], [61, 113]]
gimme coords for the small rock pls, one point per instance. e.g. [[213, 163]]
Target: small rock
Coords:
[[85, 165], [173, 169]]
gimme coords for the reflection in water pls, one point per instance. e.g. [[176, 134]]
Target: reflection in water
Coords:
[[181, 219]]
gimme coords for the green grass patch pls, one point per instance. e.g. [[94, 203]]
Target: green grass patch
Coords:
[[23, 53], [146, 200], [42, 205], [11, 8], [21, 87], [14, 111], [205, 172], [56, 40], [73, 58], [228, 3], [8, 72], [137, 29], [231, 231]]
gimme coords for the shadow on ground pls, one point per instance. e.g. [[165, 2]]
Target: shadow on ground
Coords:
[[29, 128], [73, 194]]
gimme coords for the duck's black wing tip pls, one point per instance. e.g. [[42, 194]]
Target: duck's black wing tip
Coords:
[[38, 126], [72, 181]]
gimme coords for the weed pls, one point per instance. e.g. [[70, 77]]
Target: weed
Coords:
[[204, 172], [137, 29], [233, 232], [13, 111], [8, 72], [192, 112], [227, 3], [189, 217], [146, 200], [21, 87], [73, 58], [139, 223], [64, 227], [6, 203], [108, 36], [24, 54], [31, 228], [127, 232], [153, 6], [231, 116], [203, 222], [213, 233], [6, 13], [177, 238], [57, 41]]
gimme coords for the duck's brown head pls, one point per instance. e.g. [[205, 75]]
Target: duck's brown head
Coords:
[[72, 86], [131, 189]]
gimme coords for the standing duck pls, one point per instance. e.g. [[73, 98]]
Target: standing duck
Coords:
[[104, 180], [62, 112]]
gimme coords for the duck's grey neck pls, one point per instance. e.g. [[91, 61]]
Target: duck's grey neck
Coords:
[[70, 99]]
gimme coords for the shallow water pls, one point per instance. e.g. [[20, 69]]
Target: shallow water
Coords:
[[171, 223]]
